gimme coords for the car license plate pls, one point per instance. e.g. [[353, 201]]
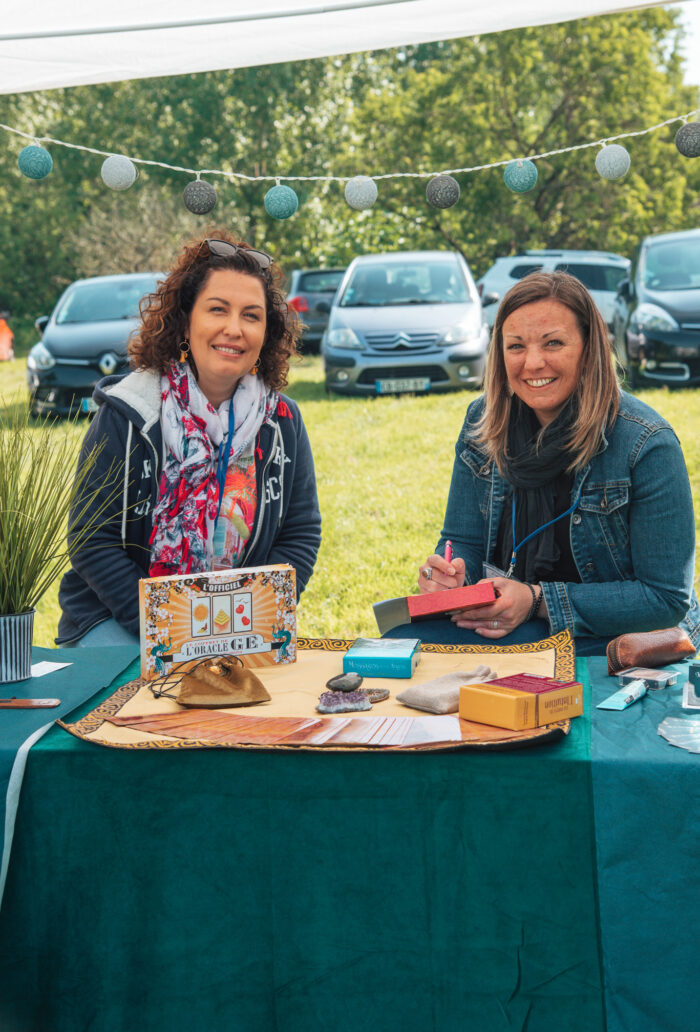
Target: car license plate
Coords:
[[88, 405], [402, 384]]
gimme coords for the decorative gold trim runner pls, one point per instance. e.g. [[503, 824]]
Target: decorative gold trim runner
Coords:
[[132, 718]]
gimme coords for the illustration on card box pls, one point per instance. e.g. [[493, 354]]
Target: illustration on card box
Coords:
[[250, 614]]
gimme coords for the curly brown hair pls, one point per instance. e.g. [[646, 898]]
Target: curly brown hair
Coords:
[[165, 313]]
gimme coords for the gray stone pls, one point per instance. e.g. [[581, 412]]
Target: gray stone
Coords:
[[349, 682]]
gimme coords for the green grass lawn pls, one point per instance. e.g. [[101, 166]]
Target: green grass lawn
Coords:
[[383, 469]]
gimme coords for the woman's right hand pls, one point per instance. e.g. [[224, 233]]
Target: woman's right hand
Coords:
[[441, 574]]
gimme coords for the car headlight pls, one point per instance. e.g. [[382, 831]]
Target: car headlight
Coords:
[[651, 317], [460, 333], [343, 337], [40, 358]]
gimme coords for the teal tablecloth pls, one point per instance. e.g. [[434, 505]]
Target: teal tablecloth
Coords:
[[647, 817], [85, 672], [302, 892]]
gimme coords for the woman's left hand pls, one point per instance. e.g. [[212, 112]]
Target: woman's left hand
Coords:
[[502, 616]]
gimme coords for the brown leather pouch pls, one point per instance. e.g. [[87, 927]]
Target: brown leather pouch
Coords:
[[649, 648]]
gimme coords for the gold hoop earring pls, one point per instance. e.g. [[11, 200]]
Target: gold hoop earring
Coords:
[[254, 370], [184, 351]]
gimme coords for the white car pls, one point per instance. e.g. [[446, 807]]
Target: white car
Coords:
[[599, 271]]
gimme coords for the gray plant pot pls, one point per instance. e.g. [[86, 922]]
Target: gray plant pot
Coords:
[[16, 630]]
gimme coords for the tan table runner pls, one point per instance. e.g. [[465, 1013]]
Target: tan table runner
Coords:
[[133, 718]]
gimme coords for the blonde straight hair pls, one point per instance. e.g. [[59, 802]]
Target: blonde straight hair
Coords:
[[598, 390]]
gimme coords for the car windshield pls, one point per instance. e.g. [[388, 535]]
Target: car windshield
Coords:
[[520, 271], [322, 282], [672, 265], [595, 277], [405, 283], [104, 301]]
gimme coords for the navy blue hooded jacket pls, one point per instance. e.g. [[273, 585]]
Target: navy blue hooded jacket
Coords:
[[103, 580]]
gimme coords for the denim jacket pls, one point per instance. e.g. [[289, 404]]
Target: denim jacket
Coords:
[[632, 534]]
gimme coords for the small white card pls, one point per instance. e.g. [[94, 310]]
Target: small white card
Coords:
[[46, 667]]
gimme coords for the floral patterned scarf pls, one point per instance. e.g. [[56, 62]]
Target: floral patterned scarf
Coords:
[[187, 537]]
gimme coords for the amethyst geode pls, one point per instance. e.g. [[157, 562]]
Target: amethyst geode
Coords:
[[343, 702]]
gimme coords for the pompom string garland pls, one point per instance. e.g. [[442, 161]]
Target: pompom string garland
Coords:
[[119, 172]]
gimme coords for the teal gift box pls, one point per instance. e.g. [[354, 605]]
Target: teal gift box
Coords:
[[382, 657]]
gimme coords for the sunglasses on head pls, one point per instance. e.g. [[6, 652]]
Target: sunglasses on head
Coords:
[[222, 249]]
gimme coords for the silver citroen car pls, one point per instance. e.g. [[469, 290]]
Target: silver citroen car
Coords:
[[409, 322]]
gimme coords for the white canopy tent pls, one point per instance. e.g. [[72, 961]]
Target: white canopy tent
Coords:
[[45, 45]]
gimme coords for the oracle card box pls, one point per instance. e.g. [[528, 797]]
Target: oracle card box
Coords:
[[382, 657], [250, 613], [521, 701]]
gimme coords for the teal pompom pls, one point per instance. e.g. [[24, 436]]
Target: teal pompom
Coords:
[[520, 175], [34, 162], [281, 202]]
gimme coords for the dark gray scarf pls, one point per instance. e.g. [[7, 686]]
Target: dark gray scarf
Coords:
[[533, 472]]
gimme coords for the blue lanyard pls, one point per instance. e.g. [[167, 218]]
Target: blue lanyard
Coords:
[[516, 548], [225, 455]]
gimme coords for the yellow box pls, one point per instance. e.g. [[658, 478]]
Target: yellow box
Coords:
[[250, 613], [517, 710]]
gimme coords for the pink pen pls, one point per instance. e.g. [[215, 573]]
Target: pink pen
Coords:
[[448, 551]]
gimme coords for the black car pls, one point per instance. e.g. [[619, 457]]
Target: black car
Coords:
[[656, 321], [84, 339], [310, 294]]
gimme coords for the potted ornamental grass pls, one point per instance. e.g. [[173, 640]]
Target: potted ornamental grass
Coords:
[[42, 500]]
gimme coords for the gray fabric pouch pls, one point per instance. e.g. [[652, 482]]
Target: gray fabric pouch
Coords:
[[441, 695]]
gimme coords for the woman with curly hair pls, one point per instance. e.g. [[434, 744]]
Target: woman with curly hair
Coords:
[[216, 463]]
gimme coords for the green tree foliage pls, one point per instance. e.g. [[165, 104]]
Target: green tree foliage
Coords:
[[278, 120], [439, 106], [514, 94]]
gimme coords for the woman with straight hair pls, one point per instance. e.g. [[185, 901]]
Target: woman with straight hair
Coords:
[[568, 493]]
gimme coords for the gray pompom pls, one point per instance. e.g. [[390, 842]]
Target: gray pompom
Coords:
[[118, 172], [612, 162], [361, 192], [199, 197], [442, 191], [688, 140]]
